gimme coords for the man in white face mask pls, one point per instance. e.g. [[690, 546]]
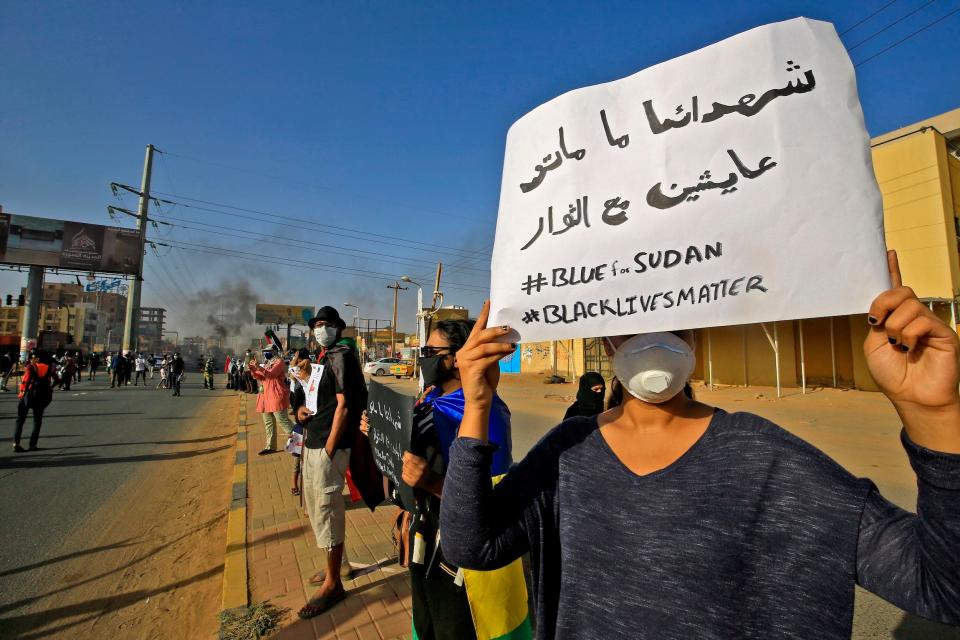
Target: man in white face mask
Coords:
[[340, 395]]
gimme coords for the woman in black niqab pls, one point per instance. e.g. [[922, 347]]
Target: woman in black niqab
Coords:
[[589, 396]]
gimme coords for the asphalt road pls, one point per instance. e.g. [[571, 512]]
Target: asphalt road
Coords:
[[94, 441]]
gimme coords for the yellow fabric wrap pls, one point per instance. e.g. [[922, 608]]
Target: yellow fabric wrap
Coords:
[[498, 601]]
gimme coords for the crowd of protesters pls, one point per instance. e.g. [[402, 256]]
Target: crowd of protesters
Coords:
[[646, 468], [695, 506]]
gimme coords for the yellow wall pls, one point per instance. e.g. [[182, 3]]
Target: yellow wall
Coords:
[[537, 357], [918, 207], [727, 346], [817, 361]]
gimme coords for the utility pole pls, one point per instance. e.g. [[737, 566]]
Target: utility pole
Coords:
[[393, 326], [31, 312], [435, 303], [133, 296]]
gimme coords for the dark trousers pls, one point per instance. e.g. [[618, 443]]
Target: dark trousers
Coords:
[[140, 374], [440, 608], [176, 383], [117, 378], [22, 410]]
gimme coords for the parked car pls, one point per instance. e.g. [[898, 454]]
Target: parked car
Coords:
[[380, 367], [403, 369]]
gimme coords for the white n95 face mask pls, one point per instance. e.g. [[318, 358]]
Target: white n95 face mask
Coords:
[[326, 336], [654, 367]]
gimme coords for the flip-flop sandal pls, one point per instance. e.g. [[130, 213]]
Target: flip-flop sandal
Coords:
[[316, 606], [294, 491]]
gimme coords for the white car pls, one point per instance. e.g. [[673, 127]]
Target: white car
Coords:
[[380, 367]]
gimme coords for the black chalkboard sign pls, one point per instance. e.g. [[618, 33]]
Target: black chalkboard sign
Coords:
[[391, 428]]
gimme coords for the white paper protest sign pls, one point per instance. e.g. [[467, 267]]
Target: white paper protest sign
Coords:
[[731, 185], [313, 387]]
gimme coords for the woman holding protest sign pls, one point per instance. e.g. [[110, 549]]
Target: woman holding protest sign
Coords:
[[709, 524], [448, 602]]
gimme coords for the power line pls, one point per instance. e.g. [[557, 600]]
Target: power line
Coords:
[[867, 18], [907, 37], [364, 234], [364, 273], [346, 251], [173, 281], [178, 283], [895, 22]]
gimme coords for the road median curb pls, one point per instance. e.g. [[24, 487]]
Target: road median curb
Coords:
[[235, 592]]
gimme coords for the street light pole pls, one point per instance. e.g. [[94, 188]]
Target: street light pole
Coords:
[[356, 326], [421, 325], [356, 316]]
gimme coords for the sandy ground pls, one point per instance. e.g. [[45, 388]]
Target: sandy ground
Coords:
[[159, 542], [858, 429]]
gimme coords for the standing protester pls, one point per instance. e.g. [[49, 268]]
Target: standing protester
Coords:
[[705, 517], [208, 373], [80, 364], [590, 395], [341, 396], [128, 366], [118, 364], [36, 392], [6, 368], [152, 365], [298, 374], [450, 603], [68, 367], [164, 374], [176, 373], [94, 364], [274, 397], [249, 382], [140, 365]]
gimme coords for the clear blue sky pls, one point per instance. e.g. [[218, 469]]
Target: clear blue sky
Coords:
[[385, 117]]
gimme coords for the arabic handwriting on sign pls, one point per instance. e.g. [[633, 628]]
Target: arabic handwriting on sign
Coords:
[[577, 213], [614, 219], [614, 213], [748, 105], [550, 162], [656, 126], [658, 199], [622, 141]]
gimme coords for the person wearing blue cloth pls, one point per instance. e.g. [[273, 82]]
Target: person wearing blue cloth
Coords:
[[442, 606], [712, 525]]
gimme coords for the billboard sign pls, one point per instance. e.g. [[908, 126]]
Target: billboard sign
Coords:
[[283, 314], [46, 242]]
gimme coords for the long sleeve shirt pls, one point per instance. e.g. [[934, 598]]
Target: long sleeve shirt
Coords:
[[275, 395], [752, 533]]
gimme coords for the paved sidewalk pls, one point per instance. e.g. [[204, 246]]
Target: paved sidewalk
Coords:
[[282, 555]]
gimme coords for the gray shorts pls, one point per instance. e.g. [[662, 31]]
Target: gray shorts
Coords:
[[323, 481]]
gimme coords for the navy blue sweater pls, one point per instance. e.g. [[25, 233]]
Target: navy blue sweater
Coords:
[[752, 533]]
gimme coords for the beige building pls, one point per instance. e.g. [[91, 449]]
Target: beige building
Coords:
[[918, 170]]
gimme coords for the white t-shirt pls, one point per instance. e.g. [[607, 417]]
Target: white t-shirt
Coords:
[[141, 364]]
